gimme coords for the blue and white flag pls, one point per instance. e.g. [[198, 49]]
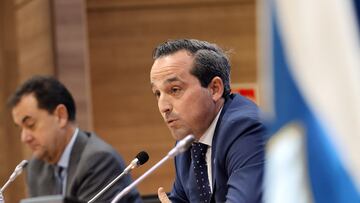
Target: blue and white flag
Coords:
[[311, 72]]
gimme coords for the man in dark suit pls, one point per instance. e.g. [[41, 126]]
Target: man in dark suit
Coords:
[[191, 81], [66, 160]]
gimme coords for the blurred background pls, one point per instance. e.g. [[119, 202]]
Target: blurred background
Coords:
[[102, 51]]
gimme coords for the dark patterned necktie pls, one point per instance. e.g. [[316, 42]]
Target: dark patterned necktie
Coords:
[[198, 152], [58, 179]]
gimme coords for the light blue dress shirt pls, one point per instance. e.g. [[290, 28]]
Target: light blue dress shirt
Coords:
[[64, 160]]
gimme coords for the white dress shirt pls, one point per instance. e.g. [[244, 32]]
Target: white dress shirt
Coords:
[[207, 138]]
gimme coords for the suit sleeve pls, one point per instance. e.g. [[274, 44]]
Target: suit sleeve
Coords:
[[102, 168], [245, 163]]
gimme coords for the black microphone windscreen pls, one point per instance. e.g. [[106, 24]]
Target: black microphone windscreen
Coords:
[[143, 157]]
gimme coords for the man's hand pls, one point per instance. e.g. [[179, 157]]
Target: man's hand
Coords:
[[162, 196]]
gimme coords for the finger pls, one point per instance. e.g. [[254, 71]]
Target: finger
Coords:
[[162, 196]]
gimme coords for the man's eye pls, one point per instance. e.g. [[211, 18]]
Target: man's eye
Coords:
[[175, 90], [157, 94], [30, 125]]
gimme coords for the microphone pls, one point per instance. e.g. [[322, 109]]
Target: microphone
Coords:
[[17, 171], [181, 146], [141, 158]]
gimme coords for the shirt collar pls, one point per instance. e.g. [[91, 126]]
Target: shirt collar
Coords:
[[65, 157], [207, 137]]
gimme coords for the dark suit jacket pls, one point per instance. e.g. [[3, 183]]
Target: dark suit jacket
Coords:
[[92, 165], [237, 157]]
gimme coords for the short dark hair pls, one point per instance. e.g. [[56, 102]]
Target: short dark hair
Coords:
[[209, 60], [49, 93]]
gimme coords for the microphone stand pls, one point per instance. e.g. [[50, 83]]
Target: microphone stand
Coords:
[[5, 186], [126, 171], [141, 158], [17, 171], [105, 188], [181, 147], [137, 181]]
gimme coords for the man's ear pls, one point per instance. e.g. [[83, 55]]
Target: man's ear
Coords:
[[216, 88], [62, 114]]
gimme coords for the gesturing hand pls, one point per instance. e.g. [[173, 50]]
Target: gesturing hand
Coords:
[[162, 196]]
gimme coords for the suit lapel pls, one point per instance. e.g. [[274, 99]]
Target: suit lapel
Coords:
[[75, 156], [228, 101]]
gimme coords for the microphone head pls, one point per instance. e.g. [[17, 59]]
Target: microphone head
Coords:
[[142, 157], [185, 143], [18, 169], [182, 146], [22, 165]]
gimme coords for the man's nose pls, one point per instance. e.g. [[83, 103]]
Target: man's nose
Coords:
[[26, 135], [164, 104]]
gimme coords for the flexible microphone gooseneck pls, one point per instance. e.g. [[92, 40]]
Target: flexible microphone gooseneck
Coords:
[[17, 171], [181, 146], [141, 158]]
